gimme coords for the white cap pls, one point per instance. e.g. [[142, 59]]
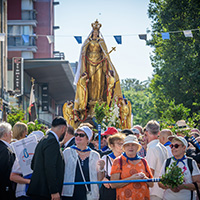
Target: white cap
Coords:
[[86, 130], [180, 138], [132, 139], [39, 134]]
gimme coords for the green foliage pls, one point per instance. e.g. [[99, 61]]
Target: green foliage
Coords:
[[101, 110], [176, 61], [148, 104], [112, 117], [131, 83], [15, 116], [143, 107], [35, 126], [173, 176], [173, 112]]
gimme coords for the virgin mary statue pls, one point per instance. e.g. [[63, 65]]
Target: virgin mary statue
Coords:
[[94, 73]]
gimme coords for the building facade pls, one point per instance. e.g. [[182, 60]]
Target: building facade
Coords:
[[3, 59], [31, 39]]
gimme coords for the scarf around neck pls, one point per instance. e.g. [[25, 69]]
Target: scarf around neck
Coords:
[[84, 150], [131, 159]]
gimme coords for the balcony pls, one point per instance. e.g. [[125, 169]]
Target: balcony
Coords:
[[29, 14], [16, 43]]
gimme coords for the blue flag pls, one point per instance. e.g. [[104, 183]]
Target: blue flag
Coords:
[[165, 36], [143, 36], [118, 39], [78, 39], [25, 38]]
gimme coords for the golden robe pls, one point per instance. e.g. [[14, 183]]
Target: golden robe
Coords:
[[95, 61]]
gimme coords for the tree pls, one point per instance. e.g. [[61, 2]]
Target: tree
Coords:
[[176, 62]]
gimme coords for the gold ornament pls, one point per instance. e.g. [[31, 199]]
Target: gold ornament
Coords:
[[96, 25]]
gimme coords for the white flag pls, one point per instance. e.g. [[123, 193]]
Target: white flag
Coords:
[[2, 37], [50, 38], [188, 33]]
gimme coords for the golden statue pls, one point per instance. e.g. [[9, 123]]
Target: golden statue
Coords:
[[68, 112], [82, 93], [111, 84], [95, 62], [124, 113]]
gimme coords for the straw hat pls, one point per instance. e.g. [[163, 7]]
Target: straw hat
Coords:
[[132, 139]]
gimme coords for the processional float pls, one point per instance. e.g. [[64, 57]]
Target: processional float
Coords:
[[96, 80]]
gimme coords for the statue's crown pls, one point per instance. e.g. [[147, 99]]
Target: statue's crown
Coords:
[[96, 25]]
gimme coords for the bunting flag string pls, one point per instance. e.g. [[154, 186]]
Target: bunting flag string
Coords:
[[143, 36], [118, 38], [2, 37], [50, 38], [188, 33], [165, 36], [25, 38], [78, 39]]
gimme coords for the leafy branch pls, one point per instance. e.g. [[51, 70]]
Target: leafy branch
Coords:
[[101, 111], [174, 176]]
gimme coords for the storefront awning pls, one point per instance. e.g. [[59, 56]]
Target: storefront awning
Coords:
[[57, 73]]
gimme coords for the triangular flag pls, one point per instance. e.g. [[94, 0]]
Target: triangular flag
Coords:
[[188, 33], [78, 39], [50, 38], [118, 39], [143, 36], [32, 106], [2, 37], [165, 36], [25, 38]]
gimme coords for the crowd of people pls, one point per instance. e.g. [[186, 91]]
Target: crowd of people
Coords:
[[64, 155]]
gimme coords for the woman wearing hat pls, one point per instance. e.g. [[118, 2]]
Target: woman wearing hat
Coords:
[[189, 169], [82, 164], [115, 143], [130, 166]]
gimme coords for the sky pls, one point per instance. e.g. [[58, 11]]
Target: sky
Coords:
[[118, 17]]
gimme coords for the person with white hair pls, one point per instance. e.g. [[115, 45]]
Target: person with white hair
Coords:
[[82, 164], [7, 158], [189, 169]]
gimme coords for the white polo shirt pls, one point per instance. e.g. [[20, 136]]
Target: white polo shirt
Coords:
[[156, 155], [182, 194]]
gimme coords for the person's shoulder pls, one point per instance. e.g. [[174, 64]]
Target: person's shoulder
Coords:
[[118, 160], [95, 153], [104, 157], [67, 150]]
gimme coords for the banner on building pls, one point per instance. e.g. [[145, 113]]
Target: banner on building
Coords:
[[45, 97], [18, 73]]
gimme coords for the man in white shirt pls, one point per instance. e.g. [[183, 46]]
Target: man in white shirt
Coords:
[[156, 155], [163, 138]]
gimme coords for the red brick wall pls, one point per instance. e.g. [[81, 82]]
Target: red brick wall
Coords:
[[14, 9], [12, 54], [44, 27]]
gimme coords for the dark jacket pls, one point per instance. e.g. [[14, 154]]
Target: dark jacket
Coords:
[[7, 158], [72, 142], [48, 168]]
